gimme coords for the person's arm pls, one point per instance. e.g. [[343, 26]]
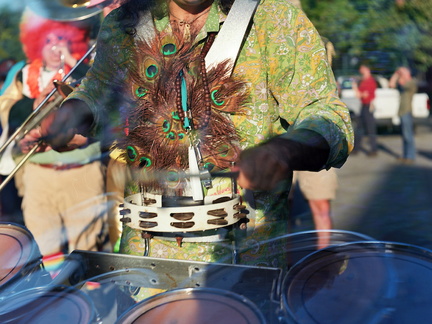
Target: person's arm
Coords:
[[394, 79], [320, 134], [307, 92], [356, 89]]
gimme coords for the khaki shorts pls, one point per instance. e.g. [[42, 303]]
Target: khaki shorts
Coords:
[[317, 185]]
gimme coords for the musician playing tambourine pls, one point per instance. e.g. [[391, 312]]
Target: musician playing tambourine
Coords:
[[210, 141], [63, 190]]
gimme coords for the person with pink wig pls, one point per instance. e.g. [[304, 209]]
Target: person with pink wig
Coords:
[[64, 205]]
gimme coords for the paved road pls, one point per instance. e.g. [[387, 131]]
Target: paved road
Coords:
[[382, 198]]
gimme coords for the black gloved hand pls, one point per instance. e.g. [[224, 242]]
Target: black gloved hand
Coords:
[[263, 166], [60, 126]]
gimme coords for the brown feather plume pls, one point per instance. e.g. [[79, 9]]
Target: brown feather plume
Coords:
[[157, 139]]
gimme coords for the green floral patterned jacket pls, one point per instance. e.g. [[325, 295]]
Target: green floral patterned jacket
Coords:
[[289, 80]]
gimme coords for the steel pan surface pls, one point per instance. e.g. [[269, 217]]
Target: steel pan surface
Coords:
[[360, 282], [48, 305], [194, 306]]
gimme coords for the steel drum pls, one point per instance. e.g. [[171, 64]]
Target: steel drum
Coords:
[[304, 243], [138, 278], [287, 250], [360, 282], [20, 260], [42, 305], [194, 306], [114, 292]]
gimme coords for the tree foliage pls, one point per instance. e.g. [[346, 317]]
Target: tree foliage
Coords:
[[10, 46], [383, 33]]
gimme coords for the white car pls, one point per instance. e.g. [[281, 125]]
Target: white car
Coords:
[[386, 102]]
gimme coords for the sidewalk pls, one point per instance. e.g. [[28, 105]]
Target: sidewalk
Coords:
[[384, 199]]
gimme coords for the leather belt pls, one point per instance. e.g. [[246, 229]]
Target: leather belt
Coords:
[[61, 167]]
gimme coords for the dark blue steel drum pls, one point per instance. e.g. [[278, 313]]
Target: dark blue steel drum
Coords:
[[114, 292], [360, 283], [302, 244], [20, 260], [44, 305]]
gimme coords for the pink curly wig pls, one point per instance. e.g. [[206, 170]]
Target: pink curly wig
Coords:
[[34, 30]]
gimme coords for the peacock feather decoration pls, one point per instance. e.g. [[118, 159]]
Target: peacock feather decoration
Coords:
[[176, 102]]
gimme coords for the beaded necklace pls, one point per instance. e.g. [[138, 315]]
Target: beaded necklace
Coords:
[[187, 24], [181, 99]]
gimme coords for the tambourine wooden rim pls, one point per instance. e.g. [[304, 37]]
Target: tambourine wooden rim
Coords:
[[155, 218]]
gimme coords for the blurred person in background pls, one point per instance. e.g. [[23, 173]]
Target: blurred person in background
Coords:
[[10, 201], [319, 189], [63, 204], [403, 80], [366, 124], [5, 66]]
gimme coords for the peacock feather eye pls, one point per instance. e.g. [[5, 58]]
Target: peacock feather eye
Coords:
[[172, 179], [145, 162], [140, 92], [131, 153], [171, 136], [214, 97], [181, 136], [169, 49], [166, 126], [175, 115], [172, 176], [151, 68], [208, 166], [169, 45], [151, 71]]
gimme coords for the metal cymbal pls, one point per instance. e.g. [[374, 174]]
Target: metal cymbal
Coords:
[[63, 10]]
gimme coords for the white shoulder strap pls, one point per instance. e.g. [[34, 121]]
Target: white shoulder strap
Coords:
[[229, 39], [146, 29]]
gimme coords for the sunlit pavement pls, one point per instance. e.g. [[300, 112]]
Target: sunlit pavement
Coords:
[[380, 197]]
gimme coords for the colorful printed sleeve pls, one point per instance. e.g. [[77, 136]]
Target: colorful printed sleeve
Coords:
[[301, 79], [101, 88]]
